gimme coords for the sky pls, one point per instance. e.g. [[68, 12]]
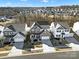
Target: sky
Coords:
[[37, 3]]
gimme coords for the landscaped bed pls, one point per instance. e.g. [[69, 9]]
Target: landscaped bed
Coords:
[[63, 49], [4, 51], [3, 54], [5, 48], [34, 51], [31, 48]]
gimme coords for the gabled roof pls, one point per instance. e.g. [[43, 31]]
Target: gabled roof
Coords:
[[46, 33], [9, 28], [36, 31], [19, 33], [35, 23], [62, 25]]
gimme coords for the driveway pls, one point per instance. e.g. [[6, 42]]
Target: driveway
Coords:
[[16, 49], [73, 43], [72, 40], [47, 46], [15, 52]]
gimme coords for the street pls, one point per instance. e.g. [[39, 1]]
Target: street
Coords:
[[62, 55]]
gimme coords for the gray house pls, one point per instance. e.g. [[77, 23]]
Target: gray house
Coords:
[[9, 32], [39, 31], [35, 32], [19, 40]]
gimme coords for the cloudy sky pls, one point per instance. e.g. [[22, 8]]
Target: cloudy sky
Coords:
[[36, 3]]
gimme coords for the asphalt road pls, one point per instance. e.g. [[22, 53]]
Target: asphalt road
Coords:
[[64, 55]]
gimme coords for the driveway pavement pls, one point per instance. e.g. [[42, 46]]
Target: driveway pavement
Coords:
[[72, 40], [47, 46], [73, 43], [15, 52]]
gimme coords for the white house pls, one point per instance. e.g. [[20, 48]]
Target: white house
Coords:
[[76, 28], [1, 30], [60, 29]]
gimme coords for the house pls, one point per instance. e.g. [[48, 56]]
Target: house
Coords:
[[35, 32], [19, 40], [1, 30], [60, 29], [76, 28], [45, 35], [38, 31], [3, 18], [9, 32]]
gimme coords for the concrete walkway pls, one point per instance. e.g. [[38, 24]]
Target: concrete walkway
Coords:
[[47, 46], [15, 52]]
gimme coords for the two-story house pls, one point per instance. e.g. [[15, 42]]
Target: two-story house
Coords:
[[8, 33], [38, 31], [76, 28], [35, 32], [60, 29], [1, 30]]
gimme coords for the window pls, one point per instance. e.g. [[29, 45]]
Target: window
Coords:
[[58, 30], [57, 35], [66, 30]]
